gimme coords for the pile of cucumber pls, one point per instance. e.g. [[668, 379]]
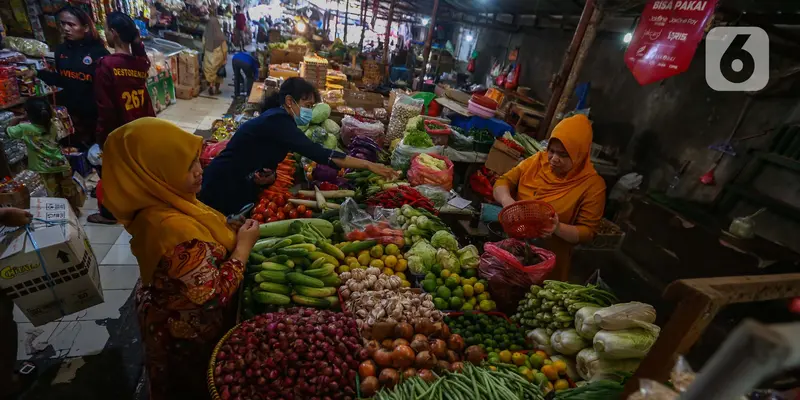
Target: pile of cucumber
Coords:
[[291, 270]]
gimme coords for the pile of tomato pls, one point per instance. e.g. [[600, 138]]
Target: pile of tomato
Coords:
[[274, 206]]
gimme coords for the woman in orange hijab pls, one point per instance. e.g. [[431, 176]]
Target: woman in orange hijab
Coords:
[[565, 178], [190, 260]]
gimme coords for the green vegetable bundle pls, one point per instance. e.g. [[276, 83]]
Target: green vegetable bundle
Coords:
[[419, 224], [472, 383], [602, 389], [417, 138], [553, 306]]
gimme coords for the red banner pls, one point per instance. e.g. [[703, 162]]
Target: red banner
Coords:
[[666, 38]]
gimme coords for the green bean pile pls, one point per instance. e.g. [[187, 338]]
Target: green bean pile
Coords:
[[470, 384]]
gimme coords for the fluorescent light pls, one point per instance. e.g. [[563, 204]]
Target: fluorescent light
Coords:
[[301, 27], [469, 38], [425, 21], [627, 38]]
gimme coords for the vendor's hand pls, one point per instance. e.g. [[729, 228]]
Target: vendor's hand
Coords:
[[384, 171], [247, 235], [264, 178], [553, 228], [236, 223], [14, 216]]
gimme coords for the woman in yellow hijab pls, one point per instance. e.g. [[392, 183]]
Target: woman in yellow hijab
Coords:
[[564, 177], [191, 261]]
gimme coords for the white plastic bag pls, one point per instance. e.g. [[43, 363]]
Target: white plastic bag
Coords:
[[625, 184], [402, 154]]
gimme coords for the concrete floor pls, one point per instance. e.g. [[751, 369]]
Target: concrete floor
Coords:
[[96, 353]]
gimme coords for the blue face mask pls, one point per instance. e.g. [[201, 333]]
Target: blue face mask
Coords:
[[305, 116]]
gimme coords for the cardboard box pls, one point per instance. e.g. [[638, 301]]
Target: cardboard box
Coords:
[[277, 56], [186, 92], [71, 282], [502, 158], [188, 73], [276, 71], [366, 100]]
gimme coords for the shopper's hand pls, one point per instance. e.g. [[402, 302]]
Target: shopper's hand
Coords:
[[14, 216], [236, 223], [248, 235], [384, 171], [553, 228], [264, 178]]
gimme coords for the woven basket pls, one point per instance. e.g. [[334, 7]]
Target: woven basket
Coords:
[[212, 388]]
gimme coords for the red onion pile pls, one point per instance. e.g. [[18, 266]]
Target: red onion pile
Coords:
[[301, 353]]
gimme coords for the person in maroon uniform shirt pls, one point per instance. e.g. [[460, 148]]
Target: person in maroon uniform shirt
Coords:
[[119, 86], [240, 29]]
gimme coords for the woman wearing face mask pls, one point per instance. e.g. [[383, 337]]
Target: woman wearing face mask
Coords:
[[235, 177], [74, 72], [565, 178]]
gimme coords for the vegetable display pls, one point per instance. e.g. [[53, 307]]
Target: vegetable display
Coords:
[[400, 196], [361, 280], [466, 382], [391, 306], [417, 138], [536, 367], [419, 223], [455, 289], [372, 256], [297, 353], [284, 175], [490, 332], [553, 306], [402, 351]]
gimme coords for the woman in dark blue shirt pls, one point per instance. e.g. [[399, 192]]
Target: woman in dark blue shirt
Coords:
[[232, 180]]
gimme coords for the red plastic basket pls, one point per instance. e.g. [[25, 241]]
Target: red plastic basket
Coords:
[[526, 219]]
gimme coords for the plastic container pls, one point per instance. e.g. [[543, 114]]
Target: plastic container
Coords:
[[439, 133], [480, 111], [484, 101], [526, 219]]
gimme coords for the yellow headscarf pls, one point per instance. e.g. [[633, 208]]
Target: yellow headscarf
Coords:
[[145, 161]]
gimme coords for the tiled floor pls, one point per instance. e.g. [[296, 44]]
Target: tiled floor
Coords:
[[69, 339]]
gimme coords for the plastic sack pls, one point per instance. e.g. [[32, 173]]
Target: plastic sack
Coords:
[[29, 47], [652, 390], [624, 185], [211, 151], [360, 225], [404, 109], [419, 174], [95, 155], [402, 155], [352, 127], [460, 141], [436, 194], [507, 276]]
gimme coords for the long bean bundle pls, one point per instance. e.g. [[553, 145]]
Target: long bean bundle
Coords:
[[553, 306], [469, 384]]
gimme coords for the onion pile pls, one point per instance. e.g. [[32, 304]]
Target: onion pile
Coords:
[[295, 354]]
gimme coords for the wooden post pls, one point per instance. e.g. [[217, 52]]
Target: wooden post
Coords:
[[428, 41], [346, 16], [699, 301], [363, 16], [388, 34], [574, 74], [336, 24], [566, 66]]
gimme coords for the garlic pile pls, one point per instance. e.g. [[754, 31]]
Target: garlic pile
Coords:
[[360, 280], [392, 306]]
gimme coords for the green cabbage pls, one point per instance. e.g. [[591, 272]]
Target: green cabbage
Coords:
[[331, 126], [626, 343], [425, 251], [568, 342], [330, 142], [469, 257], [444, 240], [416, 265], [320, 113], [448, 260]]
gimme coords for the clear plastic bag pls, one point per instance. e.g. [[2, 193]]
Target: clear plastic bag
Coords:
[[352, 127], [402, 155], [420, 174], [360, 225], [652, 390], [29, 47], [404, 109], [508, 277], [437, 195]]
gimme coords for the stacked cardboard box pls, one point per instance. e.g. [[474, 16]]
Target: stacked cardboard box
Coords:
[[188, 79], [315, 70]]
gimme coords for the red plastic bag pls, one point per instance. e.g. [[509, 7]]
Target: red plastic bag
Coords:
[[508, 278], [211, 151], [482, 183], [513, 77], [419, 174]]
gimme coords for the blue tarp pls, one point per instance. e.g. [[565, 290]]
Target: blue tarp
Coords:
[[496, 126]]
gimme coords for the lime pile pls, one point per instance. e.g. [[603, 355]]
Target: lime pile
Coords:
[[491, 332], [535, 367], [451, 291]]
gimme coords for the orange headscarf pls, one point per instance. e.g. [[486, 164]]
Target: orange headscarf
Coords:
[[145, 162]]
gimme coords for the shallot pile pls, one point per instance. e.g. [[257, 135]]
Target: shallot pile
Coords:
[[392, 306], [360, 280], [295, 354]]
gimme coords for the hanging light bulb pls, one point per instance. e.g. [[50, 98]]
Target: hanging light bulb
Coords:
[[301, 27], [469, 38], [425, 21]]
